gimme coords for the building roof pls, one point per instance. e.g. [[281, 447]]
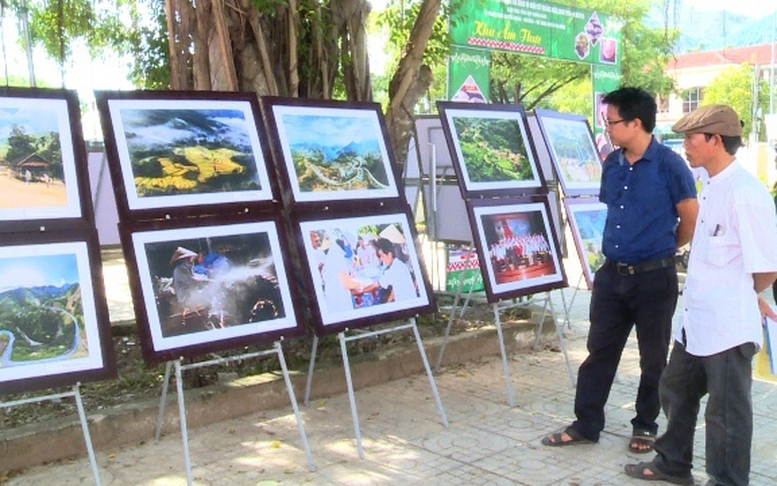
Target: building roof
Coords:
[[761, 55]]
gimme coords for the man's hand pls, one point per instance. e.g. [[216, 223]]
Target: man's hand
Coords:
[[766, 309]]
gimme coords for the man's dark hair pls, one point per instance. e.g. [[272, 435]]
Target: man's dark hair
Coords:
[[385, 246], [731, 144], [633, 103]]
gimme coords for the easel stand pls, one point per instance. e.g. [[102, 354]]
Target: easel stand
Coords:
[[277, 349], [364, 335], [76, 393], [498, 308]]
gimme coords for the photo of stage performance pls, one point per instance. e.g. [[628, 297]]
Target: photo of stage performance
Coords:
[[518, 250]]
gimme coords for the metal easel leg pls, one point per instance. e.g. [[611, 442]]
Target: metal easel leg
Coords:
[[162, 401], [351, 398], [498, 321], [85, 429], [293, 398], [429, 373], [184, 429], [311, 367], [561, 342]]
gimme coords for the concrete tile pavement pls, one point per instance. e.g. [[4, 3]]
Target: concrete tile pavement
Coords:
[[487, 443]]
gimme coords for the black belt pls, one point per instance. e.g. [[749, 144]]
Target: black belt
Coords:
[[646, 266]]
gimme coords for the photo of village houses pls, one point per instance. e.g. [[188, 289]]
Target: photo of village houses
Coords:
[[31, 168]]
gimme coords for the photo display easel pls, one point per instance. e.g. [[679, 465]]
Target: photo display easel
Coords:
[[352, 226], [202, 231], [506, 197], [54, 325], [578, 164]]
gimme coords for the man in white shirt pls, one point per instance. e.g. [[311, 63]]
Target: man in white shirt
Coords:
[[733, 259]]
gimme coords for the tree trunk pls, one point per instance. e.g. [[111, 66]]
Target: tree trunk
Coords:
[[409, 82]]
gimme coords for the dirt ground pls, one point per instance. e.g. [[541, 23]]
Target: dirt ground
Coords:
[[17, 194]]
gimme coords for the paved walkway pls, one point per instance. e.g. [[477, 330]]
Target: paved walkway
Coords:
[[487, 443]]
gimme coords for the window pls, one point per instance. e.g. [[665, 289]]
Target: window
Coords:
[[692, 99]]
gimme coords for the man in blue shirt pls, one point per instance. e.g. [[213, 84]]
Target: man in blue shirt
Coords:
[[651, 211]]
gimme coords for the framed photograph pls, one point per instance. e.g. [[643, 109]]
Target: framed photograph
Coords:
[[209, 287], [330, 151], [586, 220], [572, 150], [43, 173], [492, 151], [517, 246], [174, 151], [54, 328], [362, 270]]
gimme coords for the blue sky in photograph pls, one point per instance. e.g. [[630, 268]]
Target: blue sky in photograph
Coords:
[[327, 130], [37, 271], [34, 121]]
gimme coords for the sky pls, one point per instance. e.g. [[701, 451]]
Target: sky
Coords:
[[753, 8], [85, 75]]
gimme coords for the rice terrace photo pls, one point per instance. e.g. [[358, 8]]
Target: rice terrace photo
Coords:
[[185, 151], [180, 152]]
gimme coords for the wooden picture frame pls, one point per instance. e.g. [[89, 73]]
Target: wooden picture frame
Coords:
[[331, 152], [209, 285], [54, 325], [178, 152], [492, 150], [44, 181], [353, 278], [517, 246], [572, 149], [587, 217]]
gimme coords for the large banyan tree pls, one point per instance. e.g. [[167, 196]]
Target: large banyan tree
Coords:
[[297, 48]]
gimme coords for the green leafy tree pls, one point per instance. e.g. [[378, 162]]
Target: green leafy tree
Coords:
[[20, 144], [733, 87], [555, 84]]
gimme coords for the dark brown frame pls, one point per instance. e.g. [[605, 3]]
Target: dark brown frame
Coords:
[[570, 187], [496, 291], [359, 318], [80, 213], [158, 348], [342, 198], [83, 244], [471, 189], [241, 201]]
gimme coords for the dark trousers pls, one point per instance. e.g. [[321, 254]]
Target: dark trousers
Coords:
[[619, 302], [727, 377]]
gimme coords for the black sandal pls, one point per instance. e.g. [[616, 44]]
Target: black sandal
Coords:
[[642, 441], [556, 440], [637, 471]]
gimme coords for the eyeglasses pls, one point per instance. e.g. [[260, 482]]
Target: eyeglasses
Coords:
[[609, 123]]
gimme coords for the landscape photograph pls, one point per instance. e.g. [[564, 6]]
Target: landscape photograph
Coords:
[[36, 159], [587, 221], [334, 153], [573, 151], [182, 152], [47, 316], [491, 149]]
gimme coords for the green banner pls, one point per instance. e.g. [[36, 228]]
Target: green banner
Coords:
[[468, 77], [605, 79], [540, 29]]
